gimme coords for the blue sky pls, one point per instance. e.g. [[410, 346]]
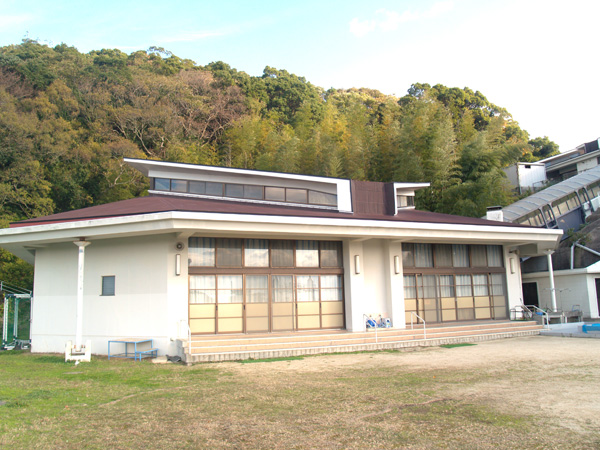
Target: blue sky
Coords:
[[536, 58]]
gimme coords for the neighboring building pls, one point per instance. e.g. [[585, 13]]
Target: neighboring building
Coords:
[[575, 290], [527, 176], [238, 251], [573, 162], [564, 205], [534, 176]]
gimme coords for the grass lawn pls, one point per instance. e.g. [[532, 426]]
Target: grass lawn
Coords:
[[46, 403]]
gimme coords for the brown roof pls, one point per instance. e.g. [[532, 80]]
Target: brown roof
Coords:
[[165, 203]]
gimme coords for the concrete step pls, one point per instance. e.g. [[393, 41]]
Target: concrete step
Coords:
[[348, 339], [243, 347], [199, 341]]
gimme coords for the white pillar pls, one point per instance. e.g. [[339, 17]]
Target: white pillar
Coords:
[[551, 275], [79, 312]]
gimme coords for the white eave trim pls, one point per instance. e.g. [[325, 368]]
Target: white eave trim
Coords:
[[169, 222]]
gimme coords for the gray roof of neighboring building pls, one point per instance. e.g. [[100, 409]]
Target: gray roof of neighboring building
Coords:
[[550, 194]]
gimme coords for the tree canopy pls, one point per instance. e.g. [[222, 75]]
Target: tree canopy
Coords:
[[67, 120]]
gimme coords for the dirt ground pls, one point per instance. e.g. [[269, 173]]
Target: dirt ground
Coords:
[[552, 377]]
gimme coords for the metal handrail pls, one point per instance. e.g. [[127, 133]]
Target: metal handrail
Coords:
[[526, 309], [370, 318], [544, 313], [422, 320]]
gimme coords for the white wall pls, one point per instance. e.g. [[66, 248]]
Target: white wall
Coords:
[[575, 290], [514, 286], [588, 164], [377, 289], [149, 299]]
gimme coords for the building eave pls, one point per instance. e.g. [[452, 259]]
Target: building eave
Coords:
[[23, 240]]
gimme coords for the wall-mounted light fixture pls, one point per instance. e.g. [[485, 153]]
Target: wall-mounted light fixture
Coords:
[[357, 264], [396, 264], [511, 262], [177, 264]]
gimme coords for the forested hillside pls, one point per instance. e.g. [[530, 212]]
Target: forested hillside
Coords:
[[67, 119]]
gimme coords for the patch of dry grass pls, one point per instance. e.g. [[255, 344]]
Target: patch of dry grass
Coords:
[[126, 405]]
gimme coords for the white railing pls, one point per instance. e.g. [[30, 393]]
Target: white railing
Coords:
[[367, 318], [528, 311], [422, 320], [541, 312]]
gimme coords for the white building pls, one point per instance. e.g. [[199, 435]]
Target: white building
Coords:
[[236, 251], [537, 175]]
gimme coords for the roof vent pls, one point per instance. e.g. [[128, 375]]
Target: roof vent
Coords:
[[495, 213]]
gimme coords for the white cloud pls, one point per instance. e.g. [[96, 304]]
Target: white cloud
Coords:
[[391, 20], [439, 8], [361, 28]]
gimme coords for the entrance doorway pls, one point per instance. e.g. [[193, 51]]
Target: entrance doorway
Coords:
[[530, 293]]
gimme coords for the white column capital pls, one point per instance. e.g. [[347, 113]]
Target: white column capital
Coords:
[[82, 244]]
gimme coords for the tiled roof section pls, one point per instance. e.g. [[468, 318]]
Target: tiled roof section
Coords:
[[162, 203]]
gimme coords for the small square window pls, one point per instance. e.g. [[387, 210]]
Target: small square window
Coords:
[[108, 285]]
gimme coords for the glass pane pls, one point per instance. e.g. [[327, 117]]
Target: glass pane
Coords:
[[256, 253], [478, 256], [463, 286], [230, 288], [331, 288], [229, 252], [494, 254], [423, 255], [254, 192], [257, 289], [307, 288], [331, 254], [282, 253], [321, 198], [201, 252], [460, 255], [162, 184], [480, 286], [179, 185], [446, 286], [108, 285], [295, 195], [410, 290], [234, 190], [408, 252], [283, 288], [443, 255], [214, 189], [497, 284], [428, 289], [275, 194], [202, 289], [197, 187], [307, 254]]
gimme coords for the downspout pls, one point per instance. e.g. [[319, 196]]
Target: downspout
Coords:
[[551, 274], [82, 244], [577, 244]]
